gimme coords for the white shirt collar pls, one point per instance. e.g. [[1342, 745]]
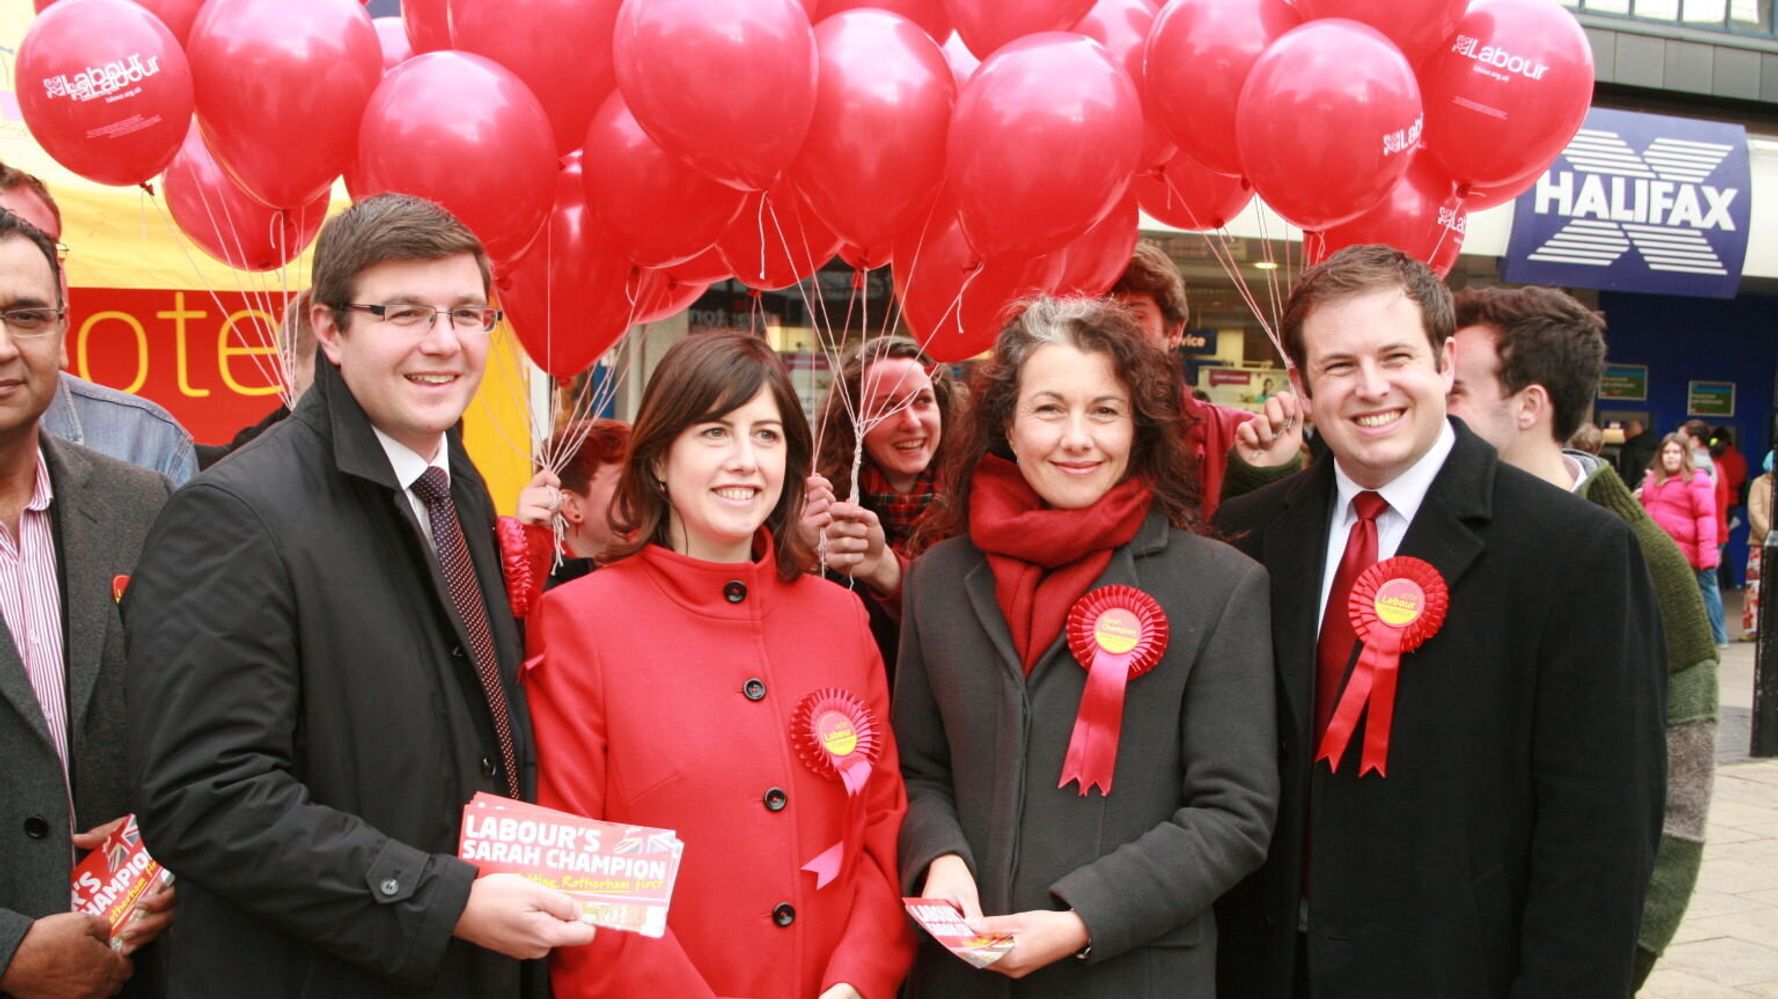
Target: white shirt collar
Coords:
[[408, 465], [1406, 491]]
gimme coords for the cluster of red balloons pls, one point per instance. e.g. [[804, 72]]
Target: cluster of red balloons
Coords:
[[618, 156]]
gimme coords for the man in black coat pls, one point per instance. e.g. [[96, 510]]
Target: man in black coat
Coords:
[[1504, 847], [322, 672]]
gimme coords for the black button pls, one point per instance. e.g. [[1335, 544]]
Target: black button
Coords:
[[488, 767], [754, 689], [735, 591], [776, 799], [456, 652], [36, 827], [784, 914]]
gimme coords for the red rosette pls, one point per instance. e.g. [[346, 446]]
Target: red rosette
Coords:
[[1395, 606], [526, 551], [835, 735], [1117, 633]]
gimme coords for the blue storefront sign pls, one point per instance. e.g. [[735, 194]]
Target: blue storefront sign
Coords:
[[1638, 202]]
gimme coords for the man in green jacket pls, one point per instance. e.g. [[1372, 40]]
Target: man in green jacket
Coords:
[[1528, 366]]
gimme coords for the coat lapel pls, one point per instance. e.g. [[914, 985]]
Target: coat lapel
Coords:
[[15, 689], [1445, 531], [87, 601], [979, 584], [1296, 555]]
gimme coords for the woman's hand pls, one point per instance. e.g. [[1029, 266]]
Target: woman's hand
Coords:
[[817, 499], [1276, 436], [948, 878], [841, 991], [1041, 937], [540, 498], [857, 547]]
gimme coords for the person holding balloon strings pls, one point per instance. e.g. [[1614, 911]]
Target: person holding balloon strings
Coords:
[[882, 428], [703, 681], [1073, 596]]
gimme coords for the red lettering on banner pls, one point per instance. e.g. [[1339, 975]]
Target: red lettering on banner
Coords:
[[156, 343]]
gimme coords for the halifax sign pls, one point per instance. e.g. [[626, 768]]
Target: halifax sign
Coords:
[[1638, 202]]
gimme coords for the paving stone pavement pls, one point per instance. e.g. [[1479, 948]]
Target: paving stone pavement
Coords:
[[1727, 946]]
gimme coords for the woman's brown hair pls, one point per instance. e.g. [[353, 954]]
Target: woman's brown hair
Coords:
[[702, 378], [840, 410], [1158, 455], [1686, 467]]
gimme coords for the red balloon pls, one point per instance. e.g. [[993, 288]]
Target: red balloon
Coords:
[[1328, 120], [392, 37], [1122, 27], [659, 294], [1042, 145], [1094, 262], [876, 150], [963, 62], [280, 88], [177, 15], [1417, 27], [986, 25], [728, 85], [568, 296], [930, 15], [1504, 98], [1477, 199], [1188, 195], [463, 131], [660, 207], [560, 48], [225, 221], [1421, 216], [954, 302], [428, 24], [1199, 54], [105, 89], [794, 242], [705, 268]]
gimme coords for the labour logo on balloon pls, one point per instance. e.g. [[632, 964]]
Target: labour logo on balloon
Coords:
[[1641, 202]]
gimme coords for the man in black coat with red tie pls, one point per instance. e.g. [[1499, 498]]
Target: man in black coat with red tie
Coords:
[[1470, 681]]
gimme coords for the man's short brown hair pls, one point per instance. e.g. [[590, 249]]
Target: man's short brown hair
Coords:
[[1360, 270], [380, 229], [1153, 273], [1543, 337], [12, 177]]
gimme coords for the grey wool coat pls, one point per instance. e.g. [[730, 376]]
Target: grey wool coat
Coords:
[[1193, 795]]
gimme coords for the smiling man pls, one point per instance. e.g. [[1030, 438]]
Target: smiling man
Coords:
[[322, 668], [1470, 681]]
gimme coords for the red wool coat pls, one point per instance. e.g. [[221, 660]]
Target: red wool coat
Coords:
[[662, 694]]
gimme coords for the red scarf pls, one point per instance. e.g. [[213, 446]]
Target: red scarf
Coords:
[[1043, 559]]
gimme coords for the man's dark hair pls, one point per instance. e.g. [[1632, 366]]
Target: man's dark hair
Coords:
[[1153, 273], [11, 226], [1360, 270], [383, 228], [1698, 429], [1543, 337]]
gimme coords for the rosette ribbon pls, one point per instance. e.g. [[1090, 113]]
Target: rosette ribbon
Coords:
[[1395, 606], [1117, 633], [835, 735]]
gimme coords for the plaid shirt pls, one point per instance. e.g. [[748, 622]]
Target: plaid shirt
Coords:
[[899, 512]]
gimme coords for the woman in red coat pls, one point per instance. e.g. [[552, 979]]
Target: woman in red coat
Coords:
[[703, 682]]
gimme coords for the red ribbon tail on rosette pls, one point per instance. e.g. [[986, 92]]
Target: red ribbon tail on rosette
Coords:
[[1092, 748], [1379, 657]]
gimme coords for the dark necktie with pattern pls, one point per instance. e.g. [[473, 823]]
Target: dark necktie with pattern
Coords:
[[434, 489]]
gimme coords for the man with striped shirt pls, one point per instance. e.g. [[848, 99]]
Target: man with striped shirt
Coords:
[[72, 522]]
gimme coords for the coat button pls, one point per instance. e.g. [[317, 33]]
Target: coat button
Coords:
[[488, 770], [36, 827], [754, 689], [456, 652], [784, 914], [776, 799], [389, 886], [734, 591]]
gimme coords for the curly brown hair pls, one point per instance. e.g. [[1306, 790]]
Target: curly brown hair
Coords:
[[839, 430], [1158, 455], [701, 378]]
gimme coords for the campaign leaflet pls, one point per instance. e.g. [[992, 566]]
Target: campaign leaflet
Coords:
[[623, 875], [114, 879], [944, 921]]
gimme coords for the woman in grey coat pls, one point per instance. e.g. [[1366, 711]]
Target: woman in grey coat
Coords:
[[1084, 696]]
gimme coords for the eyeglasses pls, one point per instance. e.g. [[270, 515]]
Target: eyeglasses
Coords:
[[34, 322], [464, 318]]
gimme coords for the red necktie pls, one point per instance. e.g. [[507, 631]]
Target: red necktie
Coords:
[[1333, 652], [434, 489]]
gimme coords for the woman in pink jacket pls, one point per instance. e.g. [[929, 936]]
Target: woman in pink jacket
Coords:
[[1682, 499]]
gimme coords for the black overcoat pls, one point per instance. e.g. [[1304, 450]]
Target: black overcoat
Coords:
[[1508, 849], [306, 723]]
